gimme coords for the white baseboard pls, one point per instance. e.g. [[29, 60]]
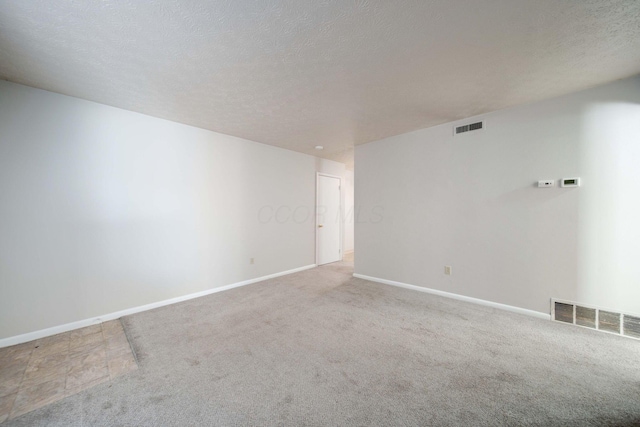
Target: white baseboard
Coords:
[[506, 307], [19, 339]]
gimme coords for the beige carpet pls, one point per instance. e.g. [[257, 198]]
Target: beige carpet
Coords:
[[322, 348]]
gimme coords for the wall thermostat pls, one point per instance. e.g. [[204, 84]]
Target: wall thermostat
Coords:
[[570, 182]]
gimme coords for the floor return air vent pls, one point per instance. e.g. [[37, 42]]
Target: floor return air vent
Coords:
[[596, 318]]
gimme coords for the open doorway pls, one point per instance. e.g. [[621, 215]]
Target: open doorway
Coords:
[[329, 227]]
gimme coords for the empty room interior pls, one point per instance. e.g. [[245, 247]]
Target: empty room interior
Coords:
[[320, 213]]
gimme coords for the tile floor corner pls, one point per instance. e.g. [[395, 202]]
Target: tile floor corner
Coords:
[[40, 372]]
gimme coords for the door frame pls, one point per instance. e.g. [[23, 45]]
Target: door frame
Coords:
[[341, 213]]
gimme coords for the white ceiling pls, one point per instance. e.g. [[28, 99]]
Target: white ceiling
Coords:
[[301, 73]]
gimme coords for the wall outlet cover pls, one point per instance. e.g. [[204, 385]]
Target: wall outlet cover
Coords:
[[570, 182]]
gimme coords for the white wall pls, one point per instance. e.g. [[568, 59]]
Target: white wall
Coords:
[[428, 199], [349, 228], [103, 209]]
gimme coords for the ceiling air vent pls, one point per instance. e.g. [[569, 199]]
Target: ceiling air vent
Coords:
[[457, 130]]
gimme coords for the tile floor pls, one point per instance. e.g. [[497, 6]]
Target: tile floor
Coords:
[[43, 371]]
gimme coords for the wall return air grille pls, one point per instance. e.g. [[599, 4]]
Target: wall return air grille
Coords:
[[595, 318], [457, 130]]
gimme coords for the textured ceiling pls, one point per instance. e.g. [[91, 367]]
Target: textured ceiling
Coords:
[[300, 73]]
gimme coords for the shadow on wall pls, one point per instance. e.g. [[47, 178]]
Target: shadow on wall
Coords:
[[608, 243]]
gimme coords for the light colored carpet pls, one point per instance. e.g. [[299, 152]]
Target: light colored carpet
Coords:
[[322, 348]]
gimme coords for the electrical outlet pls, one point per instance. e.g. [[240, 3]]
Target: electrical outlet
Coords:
[[570, 182], [447, 270], [251, 261]]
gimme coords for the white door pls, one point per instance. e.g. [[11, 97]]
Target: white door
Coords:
[[329, 220]]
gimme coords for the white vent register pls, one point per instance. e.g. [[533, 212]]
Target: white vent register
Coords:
[[457, 130], [600, 319]]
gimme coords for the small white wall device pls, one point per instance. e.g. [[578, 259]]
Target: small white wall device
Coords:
[[570, 182], [548, 183]]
